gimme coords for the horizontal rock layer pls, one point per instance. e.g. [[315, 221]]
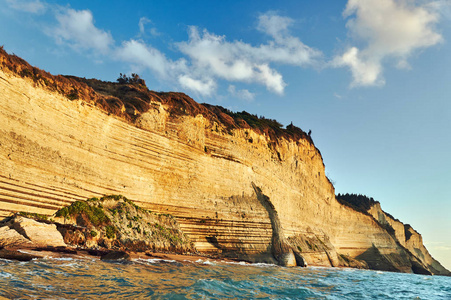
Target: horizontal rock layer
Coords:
[[54, 151]]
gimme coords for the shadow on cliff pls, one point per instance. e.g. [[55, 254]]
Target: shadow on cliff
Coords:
[[214, 241], [393, 262], [280, 248]]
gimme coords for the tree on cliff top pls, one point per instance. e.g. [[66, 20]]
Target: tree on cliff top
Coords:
[[133, 79], [359, 202]]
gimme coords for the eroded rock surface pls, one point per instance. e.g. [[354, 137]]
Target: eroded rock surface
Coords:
[[40, 234], [11, 238], [20, 231]]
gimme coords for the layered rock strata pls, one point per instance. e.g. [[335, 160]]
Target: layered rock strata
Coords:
[[54, 151]]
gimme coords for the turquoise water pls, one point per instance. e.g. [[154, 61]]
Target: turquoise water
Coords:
[[69, 278]]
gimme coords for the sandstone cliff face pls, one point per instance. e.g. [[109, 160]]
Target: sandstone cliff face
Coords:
[[54, 151], [409, 239]]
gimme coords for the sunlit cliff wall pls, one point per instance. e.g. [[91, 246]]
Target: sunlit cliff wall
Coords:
[[54, 151]]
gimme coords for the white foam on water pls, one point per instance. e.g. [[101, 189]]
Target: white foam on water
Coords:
[[205, 262], [5, 275], [241, 263], [153, 260], [61, 258], [264, 265]]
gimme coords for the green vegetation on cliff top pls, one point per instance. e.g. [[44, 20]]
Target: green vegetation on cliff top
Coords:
[[129, 97]]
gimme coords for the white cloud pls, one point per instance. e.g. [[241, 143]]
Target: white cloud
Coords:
[[242, 94], [366, 71], [211, 57], [35, 6], [271, 78], [338, 96], [390, 29], [273, 24], [144, 56], [76, 28], [153, 31], [204, 87], [205, 58], [442, 7], [238, 61], [285, 48], [142, 21], [142, 29], [138, 53]]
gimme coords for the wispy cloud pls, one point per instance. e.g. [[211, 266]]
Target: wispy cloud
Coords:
[[33, 6], [145, 56], [142, 27], [142, 21], [232, 61], [442, 7], [76, 29], [241, 94], [204, 86], [390, 29], [206, 59], [338, 96], [381, 31], [284, 48], [242, 62], [209, 58]]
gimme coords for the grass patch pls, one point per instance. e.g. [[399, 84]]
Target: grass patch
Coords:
[[110, 231], [34, 216], [95, 214]]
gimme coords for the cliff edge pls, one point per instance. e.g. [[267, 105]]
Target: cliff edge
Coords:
[[64, 139]]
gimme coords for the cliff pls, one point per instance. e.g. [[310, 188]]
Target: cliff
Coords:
[[64, 139]]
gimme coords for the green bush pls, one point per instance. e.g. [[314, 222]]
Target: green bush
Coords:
[[360, 203], [113, 197], [34, 216], [110, 231], [95, 214], [73, 94]]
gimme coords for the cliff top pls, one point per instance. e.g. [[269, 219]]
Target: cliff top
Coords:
[[129, 97]]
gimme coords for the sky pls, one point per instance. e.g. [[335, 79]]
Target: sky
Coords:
[[370, 78]]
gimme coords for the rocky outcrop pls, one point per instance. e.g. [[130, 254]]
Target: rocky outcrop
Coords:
[[21, 232], [114, 222], [116, 255], [16, 255], [11, 238], [40, 234], [197, 163]]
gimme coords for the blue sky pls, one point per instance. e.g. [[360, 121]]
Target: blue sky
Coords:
[[371, 78]]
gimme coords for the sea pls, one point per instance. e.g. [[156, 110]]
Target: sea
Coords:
[[87, 278]]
